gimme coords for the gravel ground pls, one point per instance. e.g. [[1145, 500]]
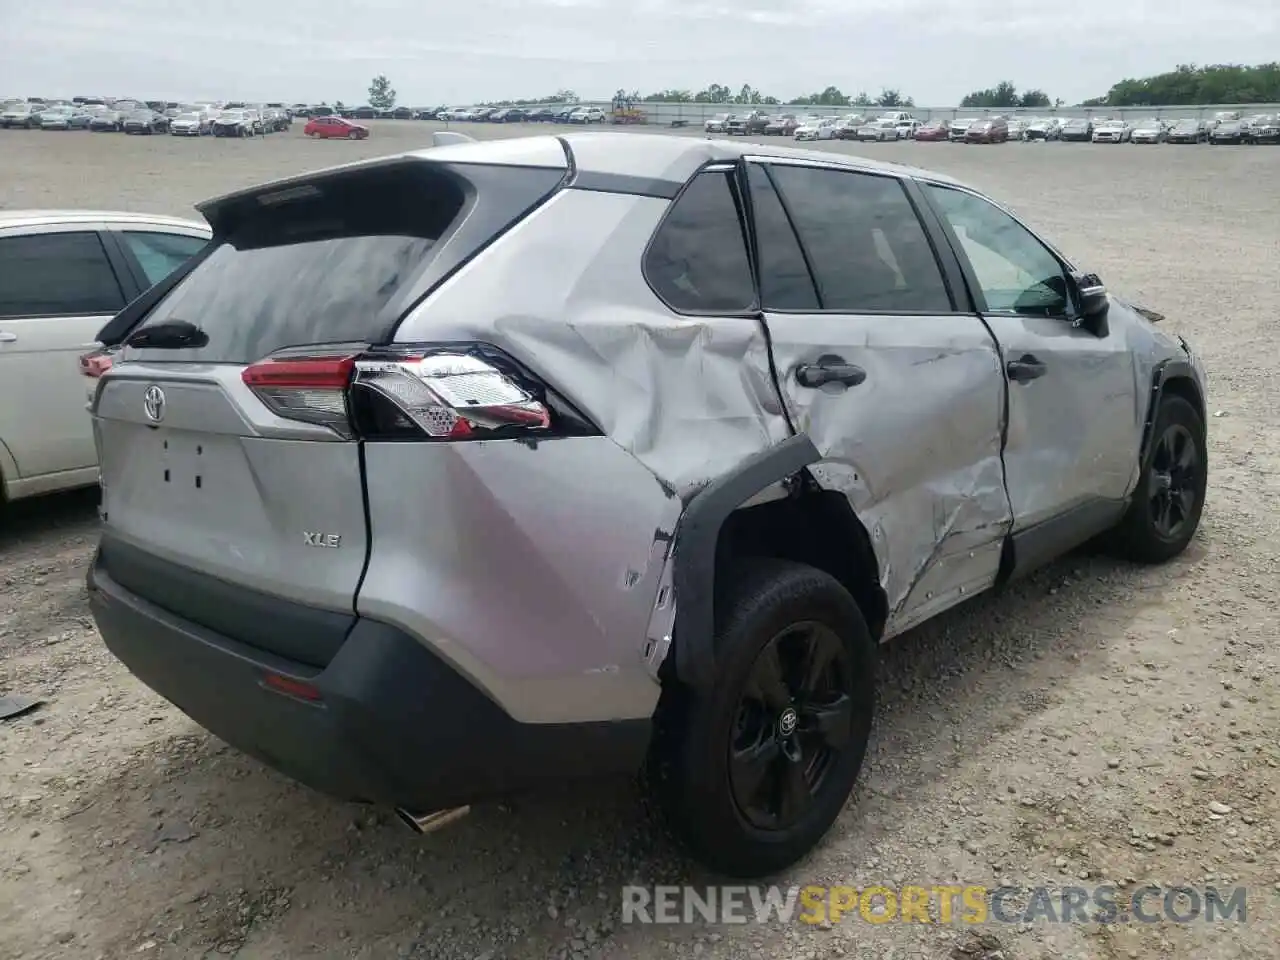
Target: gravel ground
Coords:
[[1100, 723]]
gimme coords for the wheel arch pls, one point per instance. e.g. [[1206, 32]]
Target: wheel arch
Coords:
[[807, 524], [1172, 377]]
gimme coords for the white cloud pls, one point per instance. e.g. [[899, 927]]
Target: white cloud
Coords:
[[934, 50]]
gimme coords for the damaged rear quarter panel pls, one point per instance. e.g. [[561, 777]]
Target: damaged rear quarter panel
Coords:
[[689, 397]]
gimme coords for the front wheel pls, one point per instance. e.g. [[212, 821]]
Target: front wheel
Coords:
[[1164, 513], [752, 773], [353, 135]]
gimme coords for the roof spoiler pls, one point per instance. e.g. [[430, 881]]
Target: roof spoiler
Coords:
[[444, 138]]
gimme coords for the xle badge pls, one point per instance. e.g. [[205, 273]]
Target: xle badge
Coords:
[[329, 540]]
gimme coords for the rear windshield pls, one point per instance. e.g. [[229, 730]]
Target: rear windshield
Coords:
[[313, 269]]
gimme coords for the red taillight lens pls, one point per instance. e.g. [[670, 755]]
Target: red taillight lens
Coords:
[[310, 389], [430, 394], [95, 363]]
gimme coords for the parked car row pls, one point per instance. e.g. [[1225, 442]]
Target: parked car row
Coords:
[[138, 117], [901, 125]]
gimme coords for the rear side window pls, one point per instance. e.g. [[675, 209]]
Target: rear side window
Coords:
[[159, 254], [314, 269], [57, 274], [867, 247], [785, 281], [697, 261]]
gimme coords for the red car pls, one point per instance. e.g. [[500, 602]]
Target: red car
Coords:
[[993, 130], [327, 127], [935, 130]]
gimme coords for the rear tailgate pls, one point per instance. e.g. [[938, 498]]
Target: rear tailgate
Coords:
[[244, 511]]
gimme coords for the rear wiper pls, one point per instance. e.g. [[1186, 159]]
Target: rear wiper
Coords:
[[169, 335]]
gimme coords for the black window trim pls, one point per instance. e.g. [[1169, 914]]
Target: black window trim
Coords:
[[962, 258], [123, 278], [729, 169], [943, 252]]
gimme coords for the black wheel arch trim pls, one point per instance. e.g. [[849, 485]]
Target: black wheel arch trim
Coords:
[[1164, 373], [695, 555]]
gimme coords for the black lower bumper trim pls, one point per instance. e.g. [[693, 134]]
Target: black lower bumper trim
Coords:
[[394, 724]]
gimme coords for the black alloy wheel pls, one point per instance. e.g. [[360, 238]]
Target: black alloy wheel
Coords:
[[1172, 481], [793, 721]]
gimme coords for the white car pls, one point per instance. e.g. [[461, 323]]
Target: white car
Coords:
[[897, 116], [717, 124], [588, 115], [1111, 131], [1148, 131], [18, 115], [63, 275], [1018, 128], [907, 128], [879, 130], [823, 129]]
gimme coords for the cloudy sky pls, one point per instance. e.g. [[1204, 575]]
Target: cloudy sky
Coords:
[[455, 51]]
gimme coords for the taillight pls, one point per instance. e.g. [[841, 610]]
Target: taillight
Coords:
[[429, 394], [310, 389], [95, 363]]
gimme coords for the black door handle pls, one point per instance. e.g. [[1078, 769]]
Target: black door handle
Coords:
[[1026, 368], [829, 369]]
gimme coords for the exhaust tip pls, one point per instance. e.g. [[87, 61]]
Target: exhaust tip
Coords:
[[431, 822]]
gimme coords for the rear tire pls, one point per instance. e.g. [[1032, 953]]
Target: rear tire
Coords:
[[776, 623], [1169, 500]]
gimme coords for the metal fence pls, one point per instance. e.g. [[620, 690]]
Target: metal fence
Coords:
[[667, 114]]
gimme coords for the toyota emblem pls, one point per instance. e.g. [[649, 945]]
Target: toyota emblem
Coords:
[[788, 722], [153, 404]]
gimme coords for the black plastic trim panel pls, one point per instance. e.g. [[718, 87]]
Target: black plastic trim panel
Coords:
[[621, 183], [695, 554], [392, 724], [304, 634]]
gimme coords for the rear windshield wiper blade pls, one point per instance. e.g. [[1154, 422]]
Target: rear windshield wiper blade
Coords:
[[169, 335]]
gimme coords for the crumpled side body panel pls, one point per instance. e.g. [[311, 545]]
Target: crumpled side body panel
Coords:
[[690, 398], [915, 447]]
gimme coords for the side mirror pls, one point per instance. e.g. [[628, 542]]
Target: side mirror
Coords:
[[1094, 303]]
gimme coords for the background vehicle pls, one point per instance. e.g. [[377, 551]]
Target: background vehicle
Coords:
[[508, 115], [1188, 131], [1111, 131], [934, 131], [755, 728], [190, 125], [987, 130], [108, 121], [146, 122], [233, 123], [1228, 131], [907, 128], [1018, 128], [1266, 129], [328, 128], [541, 115], [879, 130], [62, 276], [1219, 118], [1077, 129], [719, 123], [847, 127], [747, 124], [588, 115], [782, 126], [19, 115], [64, 118], [823, 129], [1148, 131], [1045, 128], [958, 127]]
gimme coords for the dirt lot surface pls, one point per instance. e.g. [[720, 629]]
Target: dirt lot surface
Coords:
[[1099, 724]]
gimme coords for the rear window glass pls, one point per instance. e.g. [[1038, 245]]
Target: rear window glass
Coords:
[[313, 269]]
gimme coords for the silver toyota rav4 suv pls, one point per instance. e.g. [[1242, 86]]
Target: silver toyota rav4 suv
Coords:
[[438, 476]]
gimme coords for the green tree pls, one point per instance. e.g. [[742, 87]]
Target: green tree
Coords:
[[716, 93], [1190, 84], [863, 99], [670, 96], [893, 98], [1034, 98], [1003, 94], [830, 97], [381, 94]]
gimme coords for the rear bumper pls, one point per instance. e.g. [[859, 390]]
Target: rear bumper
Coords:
[[394, 724]]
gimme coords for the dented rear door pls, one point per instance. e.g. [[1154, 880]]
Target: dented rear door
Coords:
[[896, 383]]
